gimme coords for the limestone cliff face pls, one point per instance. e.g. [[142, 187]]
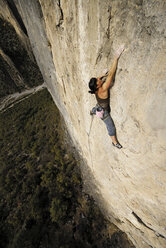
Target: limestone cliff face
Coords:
[[75, 40]]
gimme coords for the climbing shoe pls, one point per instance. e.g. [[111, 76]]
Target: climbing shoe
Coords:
[[119, 146]]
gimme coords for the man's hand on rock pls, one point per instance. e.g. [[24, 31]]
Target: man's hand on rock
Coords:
[[119, 51], [105, 71]]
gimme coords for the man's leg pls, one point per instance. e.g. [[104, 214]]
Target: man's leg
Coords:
[[114, 139], [112, 131]]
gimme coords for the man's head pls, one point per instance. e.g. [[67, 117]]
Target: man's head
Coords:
[[93, 85]]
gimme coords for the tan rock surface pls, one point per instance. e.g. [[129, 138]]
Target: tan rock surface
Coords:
[[75, 40]]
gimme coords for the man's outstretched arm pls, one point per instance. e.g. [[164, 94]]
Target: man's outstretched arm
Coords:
[[112, 71]]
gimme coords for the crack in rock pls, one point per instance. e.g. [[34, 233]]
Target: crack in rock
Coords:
[[109, 20], [141, 222], [61, 19]]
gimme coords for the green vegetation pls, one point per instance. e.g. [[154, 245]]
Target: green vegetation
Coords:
[[42, 204]]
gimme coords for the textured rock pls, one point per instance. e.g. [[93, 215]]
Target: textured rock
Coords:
[[75, 40]]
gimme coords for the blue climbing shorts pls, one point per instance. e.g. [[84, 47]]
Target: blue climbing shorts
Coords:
[[110, 125]]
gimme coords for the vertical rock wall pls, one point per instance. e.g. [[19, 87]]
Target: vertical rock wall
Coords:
[[75, 40]]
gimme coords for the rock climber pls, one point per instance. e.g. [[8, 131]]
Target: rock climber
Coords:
[[100, 88]]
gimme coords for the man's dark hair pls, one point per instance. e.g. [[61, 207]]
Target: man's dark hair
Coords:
[[93, 85]]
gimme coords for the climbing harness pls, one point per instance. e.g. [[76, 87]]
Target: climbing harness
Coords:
[[100, 112]]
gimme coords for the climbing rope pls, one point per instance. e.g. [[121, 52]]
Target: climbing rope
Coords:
[[90, 126], [89, 139]]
